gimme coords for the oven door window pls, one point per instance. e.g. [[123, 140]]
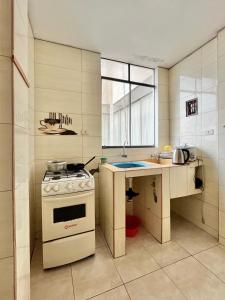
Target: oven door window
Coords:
[[69, 213]]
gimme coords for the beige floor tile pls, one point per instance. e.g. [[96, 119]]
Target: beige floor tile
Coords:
[[167, 253], [154, 286], [143, 238], [52, 284], [95, 275], [195, 281], [6, 279], [190, 237], [98, 275], [137, 262], [119, 293], [214, 260]]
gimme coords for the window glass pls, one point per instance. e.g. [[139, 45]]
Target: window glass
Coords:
[[115, 113], [114, 69], [128, 109], [141, 74], [142, 115]]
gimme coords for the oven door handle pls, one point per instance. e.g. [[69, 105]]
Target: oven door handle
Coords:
[[67, 197]]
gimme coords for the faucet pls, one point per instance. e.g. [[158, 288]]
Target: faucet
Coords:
[[156, 155], [124, 147]]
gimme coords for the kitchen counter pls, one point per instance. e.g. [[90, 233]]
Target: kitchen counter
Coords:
[[156, 184], [164, 163]]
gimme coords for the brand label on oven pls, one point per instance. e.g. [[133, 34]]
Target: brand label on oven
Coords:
[[69, 226]]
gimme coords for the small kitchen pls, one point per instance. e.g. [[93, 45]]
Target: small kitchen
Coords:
[[112, 155]]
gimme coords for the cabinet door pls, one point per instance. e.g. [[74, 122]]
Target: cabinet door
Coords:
[[178, 182]]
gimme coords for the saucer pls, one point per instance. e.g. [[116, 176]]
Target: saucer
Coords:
[[56, 131], [42, 128]]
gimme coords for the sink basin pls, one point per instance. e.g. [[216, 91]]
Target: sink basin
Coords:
[[130, 164]]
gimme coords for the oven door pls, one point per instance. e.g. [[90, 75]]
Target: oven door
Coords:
[[69, 214]]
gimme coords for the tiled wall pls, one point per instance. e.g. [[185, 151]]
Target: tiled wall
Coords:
[[221, 93], [162, 107], [31, 138], [14, 134], [68, 80], [6, 201], [196, 76], [21, 141]]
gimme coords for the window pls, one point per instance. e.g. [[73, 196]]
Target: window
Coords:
[[128, 105]]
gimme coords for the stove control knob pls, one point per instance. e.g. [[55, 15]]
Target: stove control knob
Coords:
[[69, 186], [89, 183], [47, 188], [55, 188], [82, 184]]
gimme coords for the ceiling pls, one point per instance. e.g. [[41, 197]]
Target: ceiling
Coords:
[[143, 32]]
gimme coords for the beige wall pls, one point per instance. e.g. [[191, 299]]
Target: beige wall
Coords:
[[196, 76], [21, 151], [162, 107], [31, 138], [6, 201], [14, 153], [221, 93], [68, 80]]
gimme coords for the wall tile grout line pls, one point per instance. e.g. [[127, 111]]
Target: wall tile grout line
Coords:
[[72, 69], [59, 89], [68, 112]]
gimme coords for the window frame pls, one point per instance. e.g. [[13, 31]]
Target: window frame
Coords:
[[130, 84]]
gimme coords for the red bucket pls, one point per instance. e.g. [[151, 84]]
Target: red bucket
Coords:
[[132, 225]]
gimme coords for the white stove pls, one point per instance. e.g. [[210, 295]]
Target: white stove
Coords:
[[68, 217], [63, 182]]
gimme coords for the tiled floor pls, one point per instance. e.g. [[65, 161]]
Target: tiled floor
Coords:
[[191, 266]]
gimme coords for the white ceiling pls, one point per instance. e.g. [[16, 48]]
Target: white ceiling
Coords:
[[129, 30]]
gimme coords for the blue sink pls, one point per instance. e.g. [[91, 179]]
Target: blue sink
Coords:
[[130, 164]]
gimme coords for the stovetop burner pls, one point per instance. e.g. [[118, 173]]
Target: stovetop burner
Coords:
[[57, 177], [79, 175], [49, 176]]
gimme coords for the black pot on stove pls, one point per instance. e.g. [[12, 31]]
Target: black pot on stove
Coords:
[[79, 166]]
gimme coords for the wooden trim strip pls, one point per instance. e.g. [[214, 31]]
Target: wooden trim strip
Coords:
[[19, 68]]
